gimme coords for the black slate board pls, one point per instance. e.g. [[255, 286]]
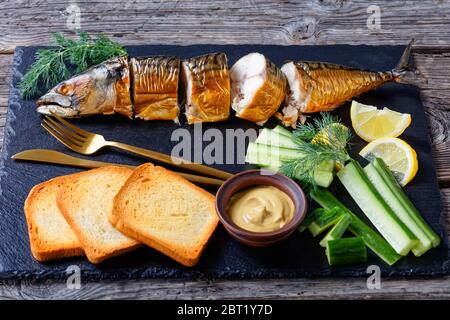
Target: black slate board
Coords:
[[300, 255]]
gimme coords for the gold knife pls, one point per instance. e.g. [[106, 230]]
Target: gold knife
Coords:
[[51, 156]]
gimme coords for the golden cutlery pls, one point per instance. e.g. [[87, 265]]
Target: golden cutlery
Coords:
[[51, 156], [87, 143]]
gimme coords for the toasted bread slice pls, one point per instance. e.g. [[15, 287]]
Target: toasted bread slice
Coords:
[[86, 201], [165, 211], [51, 237]]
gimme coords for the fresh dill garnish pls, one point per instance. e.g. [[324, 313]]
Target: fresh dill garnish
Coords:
[[52, 65], [326, 139], [307, 132]]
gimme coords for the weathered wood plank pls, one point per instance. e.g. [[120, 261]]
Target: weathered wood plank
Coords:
[[5, 77], [350, 288], [249, 21], [435, 67]]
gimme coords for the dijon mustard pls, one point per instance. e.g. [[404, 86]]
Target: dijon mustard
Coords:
[[261, 208]]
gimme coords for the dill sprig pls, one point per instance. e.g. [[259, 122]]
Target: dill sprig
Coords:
[[325, 139], [307, 132], [52, 65]]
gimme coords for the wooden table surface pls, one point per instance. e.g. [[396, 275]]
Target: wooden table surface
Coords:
[[26, 22]]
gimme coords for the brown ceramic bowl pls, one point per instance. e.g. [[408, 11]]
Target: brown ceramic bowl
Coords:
[[250, 178]]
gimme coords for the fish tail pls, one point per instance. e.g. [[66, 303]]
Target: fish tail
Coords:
[[403, 72]]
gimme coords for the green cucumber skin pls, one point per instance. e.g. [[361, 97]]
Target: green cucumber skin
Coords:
[[309, 219], [392, 200], [324, 220], [346, 251], [338, 230], [328, 216], [372, 204], [405, 201], [371, 238], [315, 230], [273, 138], [282, 130]]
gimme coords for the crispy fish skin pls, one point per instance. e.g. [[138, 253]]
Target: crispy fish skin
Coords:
[[207, 85], [325, 86], [319, 86], [155, 90], [102, 89], [268, 96], [329, 85]]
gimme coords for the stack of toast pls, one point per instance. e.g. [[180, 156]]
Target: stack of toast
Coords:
[[104, 212]]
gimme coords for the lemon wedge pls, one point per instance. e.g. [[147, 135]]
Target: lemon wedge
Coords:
[[398, 155], [371, 123]]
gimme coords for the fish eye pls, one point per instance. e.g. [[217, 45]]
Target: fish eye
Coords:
[[65, 89]]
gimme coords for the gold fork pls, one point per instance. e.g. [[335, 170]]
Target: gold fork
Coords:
[[85, 142]]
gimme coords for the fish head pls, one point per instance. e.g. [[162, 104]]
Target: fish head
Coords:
[[70, 98], [97, 90]]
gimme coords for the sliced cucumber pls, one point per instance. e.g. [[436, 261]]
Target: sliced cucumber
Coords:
[[324, 219], [282, 130], [338, 230], [269, 156], [273, 152], [328, 216], [424, 243], [323, 178], [371, 238], [272, 138], [309, 219], [273, 157], [383, 179], [346, 250], [375, 208]]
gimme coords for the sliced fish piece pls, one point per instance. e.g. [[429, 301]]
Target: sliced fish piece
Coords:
[[207, 88], [295, 97], [321, 86], [102, 89], [257, 88], [155, 90]]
